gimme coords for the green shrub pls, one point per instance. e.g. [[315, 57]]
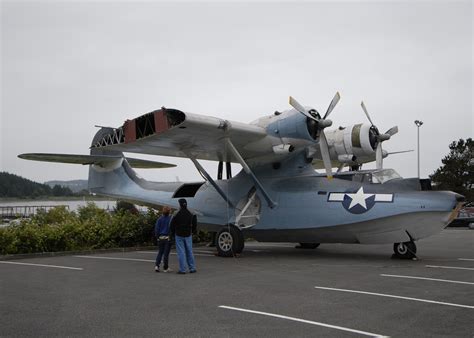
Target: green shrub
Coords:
[[59, 229], [59, 214]]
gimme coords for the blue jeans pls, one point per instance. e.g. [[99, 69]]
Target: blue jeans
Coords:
[[164, 247], [184, 249]]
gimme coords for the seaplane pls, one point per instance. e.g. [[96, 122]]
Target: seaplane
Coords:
[[278, 196]]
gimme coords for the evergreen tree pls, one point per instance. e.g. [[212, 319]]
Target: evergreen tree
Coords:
[[15, 186], [457, 172]]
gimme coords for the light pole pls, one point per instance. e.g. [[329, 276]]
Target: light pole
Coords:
[[418, 124]]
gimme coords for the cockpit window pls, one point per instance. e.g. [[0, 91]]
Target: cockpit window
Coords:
[[384, 175], [362, 178]]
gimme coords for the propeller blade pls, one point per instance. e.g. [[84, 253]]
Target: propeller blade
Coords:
[[333, 103], [392, 131], [400, 152], [366, 112], [295, 104], [323, 145], [379, 156]]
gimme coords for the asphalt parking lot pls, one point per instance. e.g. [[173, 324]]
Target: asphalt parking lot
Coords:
[[271, 290]]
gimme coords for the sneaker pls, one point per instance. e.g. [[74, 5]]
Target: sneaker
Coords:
[[181, 272], [167, 270], [192, 271], [157, 269]]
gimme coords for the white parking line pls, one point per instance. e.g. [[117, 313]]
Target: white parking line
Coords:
[[398, 297], [43, 265], [195, 252], [448, 267], [425, 278], [117, 258], [466, 259], [302, 321], [128, 259]]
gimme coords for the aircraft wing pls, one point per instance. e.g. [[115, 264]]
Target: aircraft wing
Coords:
[[93, 159], [170, 132]]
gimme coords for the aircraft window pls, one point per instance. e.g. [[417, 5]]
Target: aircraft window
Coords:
[[384, 175]]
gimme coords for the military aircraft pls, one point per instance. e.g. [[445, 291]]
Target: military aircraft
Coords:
[[278, 196]]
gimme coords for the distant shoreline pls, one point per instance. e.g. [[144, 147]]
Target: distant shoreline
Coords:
[[55, 198]]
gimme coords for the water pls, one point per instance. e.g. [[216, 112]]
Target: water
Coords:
[[74, 205]]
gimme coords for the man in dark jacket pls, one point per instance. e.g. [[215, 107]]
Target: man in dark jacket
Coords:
[[183, 225]]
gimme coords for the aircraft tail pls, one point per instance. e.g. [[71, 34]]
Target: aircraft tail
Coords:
[[111, 174], [116, 178]]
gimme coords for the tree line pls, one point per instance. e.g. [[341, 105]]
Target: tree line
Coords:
[[18, 187]]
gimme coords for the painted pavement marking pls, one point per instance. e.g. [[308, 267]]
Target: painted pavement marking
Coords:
[[448, 267], [42, 265], [195, 253], [430, 279], [129, 259], [398, 297], [117, 258], [302, 321]]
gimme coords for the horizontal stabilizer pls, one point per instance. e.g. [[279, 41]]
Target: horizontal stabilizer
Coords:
[[93, 159]]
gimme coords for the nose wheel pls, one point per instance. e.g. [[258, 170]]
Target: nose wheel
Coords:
[[405, 250]]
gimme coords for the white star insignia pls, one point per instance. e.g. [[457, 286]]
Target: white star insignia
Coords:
[[359, 198]]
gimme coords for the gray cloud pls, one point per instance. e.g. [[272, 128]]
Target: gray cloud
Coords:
[[69, 66]]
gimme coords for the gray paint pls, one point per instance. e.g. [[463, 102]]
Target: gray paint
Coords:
[[301, 214]]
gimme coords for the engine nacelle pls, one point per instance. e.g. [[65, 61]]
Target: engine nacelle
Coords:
[[357, 140]]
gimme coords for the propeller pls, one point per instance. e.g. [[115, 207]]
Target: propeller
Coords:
[[399, 152], [379, 138], [321, 123]]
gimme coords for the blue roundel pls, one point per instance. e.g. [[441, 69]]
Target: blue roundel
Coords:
[[358, 208]]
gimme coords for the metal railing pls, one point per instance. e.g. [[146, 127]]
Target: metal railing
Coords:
[[22, 211]]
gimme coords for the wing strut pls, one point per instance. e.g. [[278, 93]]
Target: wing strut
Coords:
[[247, 169], [210, 180], [219, 170], [228, 170]]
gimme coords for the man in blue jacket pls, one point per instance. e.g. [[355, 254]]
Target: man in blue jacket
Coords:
[[162, 234], [183, 225]]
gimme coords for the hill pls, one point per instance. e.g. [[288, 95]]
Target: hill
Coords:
[[16, 186], [75, 185]]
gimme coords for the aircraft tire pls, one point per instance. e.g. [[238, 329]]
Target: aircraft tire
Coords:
[[229, 241], [308, 245], [405, 250]]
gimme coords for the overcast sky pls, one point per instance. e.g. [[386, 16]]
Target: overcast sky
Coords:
[[69, 66]]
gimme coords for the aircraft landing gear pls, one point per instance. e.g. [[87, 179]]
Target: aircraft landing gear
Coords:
[[307, 246], [229, 241], [405, 250]]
